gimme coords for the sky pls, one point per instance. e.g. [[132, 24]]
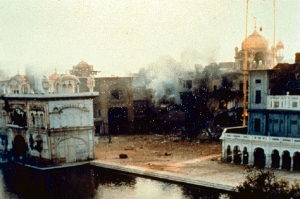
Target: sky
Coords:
[[120, 37]]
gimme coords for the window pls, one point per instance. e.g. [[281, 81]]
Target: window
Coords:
[[32, 119], [42, 120], [294, 104], [257, 125], [257, 81], [241, 85], [258, 97], [293, 121], [188, 84], [116, 94]]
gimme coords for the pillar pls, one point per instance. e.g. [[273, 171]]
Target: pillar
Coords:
[[280, 162], [242, 157], [268, 161], [250, 158]]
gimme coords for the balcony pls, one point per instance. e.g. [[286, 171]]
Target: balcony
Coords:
[[283, 102]]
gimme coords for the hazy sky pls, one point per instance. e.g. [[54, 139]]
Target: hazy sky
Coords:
[[121, 36]]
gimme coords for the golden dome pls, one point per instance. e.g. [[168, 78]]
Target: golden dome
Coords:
[[54, 76], [256, 42]]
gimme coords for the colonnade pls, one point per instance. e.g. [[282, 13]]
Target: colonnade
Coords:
[[287, 159]]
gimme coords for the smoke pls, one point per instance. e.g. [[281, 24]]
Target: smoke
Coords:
[[164, 74], [189, 57], [3, 75]]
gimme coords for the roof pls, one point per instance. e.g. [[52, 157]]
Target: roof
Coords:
[[67, 77], [256, 42], [19, 78]]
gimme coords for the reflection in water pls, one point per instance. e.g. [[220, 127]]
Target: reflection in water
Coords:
[[89, 182]]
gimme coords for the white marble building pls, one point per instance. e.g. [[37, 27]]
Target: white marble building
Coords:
[[46, 121]]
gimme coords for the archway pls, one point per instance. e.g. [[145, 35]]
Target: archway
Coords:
[[19, 147], [228, 154], [245, 156], [259, 158], [71, 150], [286, 160], [237, 155], [296, 158], [275, 159], [118, 120], [70, 88]]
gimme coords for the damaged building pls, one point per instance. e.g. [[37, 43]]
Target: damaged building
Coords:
[[113, 107], [46, 121]]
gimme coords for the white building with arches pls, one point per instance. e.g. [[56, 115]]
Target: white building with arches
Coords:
[[46, 121], [272, 137]]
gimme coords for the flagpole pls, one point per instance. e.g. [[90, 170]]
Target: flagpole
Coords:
[[274, 34], [245, 70]]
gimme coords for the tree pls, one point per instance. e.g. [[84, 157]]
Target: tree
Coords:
[[262, 183]]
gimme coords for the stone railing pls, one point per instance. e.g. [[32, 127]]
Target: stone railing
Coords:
[[271, 139], [289, 102]]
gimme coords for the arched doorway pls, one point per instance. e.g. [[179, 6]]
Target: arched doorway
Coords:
[[237, 155], [296, 158], [245, 156], [259, 158], [228, 154], [286, 160], [118, 120], [19, 147], [275, 159]]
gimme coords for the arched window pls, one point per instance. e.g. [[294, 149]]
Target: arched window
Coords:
[[32, 119], [229, 154], [296, 158], [42, 120], [70, 88], [64, 88], [245, 156], [259, 158], [237, 155], [286, 160], [37, 120], [275, 157], [57, 88]]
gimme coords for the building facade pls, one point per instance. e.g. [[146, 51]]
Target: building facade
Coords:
[[260, 54], [272, 138], [113, 107], [46, 123]]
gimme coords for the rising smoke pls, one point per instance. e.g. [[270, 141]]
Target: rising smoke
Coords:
[[164, 74]]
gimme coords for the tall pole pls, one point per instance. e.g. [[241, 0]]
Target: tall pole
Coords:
[[245, 69], [274, 35]]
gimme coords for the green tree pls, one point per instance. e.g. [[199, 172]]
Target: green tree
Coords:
[[262, 183]]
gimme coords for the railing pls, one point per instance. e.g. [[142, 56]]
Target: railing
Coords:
[[260, 138], [54, 95], [289, 102]]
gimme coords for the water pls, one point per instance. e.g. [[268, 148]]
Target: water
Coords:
[[89, 182]]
